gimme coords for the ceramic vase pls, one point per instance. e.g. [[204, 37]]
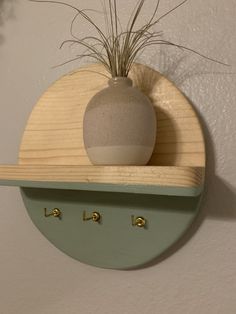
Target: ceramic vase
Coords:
[[119, 126]]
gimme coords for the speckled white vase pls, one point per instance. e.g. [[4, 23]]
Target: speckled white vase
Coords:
[[119, 125]]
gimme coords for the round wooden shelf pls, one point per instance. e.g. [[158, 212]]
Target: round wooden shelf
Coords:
[[53, 135], [54, 172]]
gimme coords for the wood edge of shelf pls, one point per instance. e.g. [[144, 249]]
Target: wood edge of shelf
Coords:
[[109, 187], [129, 187]]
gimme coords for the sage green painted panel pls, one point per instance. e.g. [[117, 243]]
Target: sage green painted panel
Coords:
[[119, 188], [114, 243]]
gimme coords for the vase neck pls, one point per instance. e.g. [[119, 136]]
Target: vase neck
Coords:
[[120, 81]]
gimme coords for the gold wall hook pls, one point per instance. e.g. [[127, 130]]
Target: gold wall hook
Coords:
[[96, 217], [139, 222], [55, 213]]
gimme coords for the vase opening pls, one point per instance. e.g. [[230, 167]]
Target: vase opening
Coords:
[[120, 81]]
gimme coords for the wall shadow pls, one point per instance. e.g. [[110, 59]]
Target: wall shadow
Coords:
[[220, 196], [6, 13], [180, 66]]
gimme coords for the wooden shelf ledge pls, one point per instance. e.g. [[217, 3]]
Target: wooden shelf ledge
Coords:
[[179, 181]]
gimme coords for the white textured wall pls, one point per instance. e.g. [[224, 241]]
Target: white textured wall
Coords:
[[199, 278]]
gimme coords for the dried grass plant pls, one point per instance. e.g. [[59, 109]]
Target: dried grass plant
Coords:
[[115, 48]]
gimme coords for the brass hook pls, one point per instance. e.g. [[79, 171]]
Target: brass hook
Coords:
[[139, 222], [55, 213], [96, 217]]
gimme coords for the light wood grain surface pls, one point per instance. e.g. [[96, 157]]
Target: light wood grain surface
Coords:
[[126, 175], [54, 133], [52, 147]]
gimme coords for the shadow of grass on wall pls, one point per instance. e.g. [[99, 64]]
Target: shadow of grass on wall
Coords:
[[6, 13]]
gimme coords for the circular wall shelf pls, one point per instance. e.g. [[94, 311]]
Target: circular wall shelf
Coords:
[[111, 217]]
